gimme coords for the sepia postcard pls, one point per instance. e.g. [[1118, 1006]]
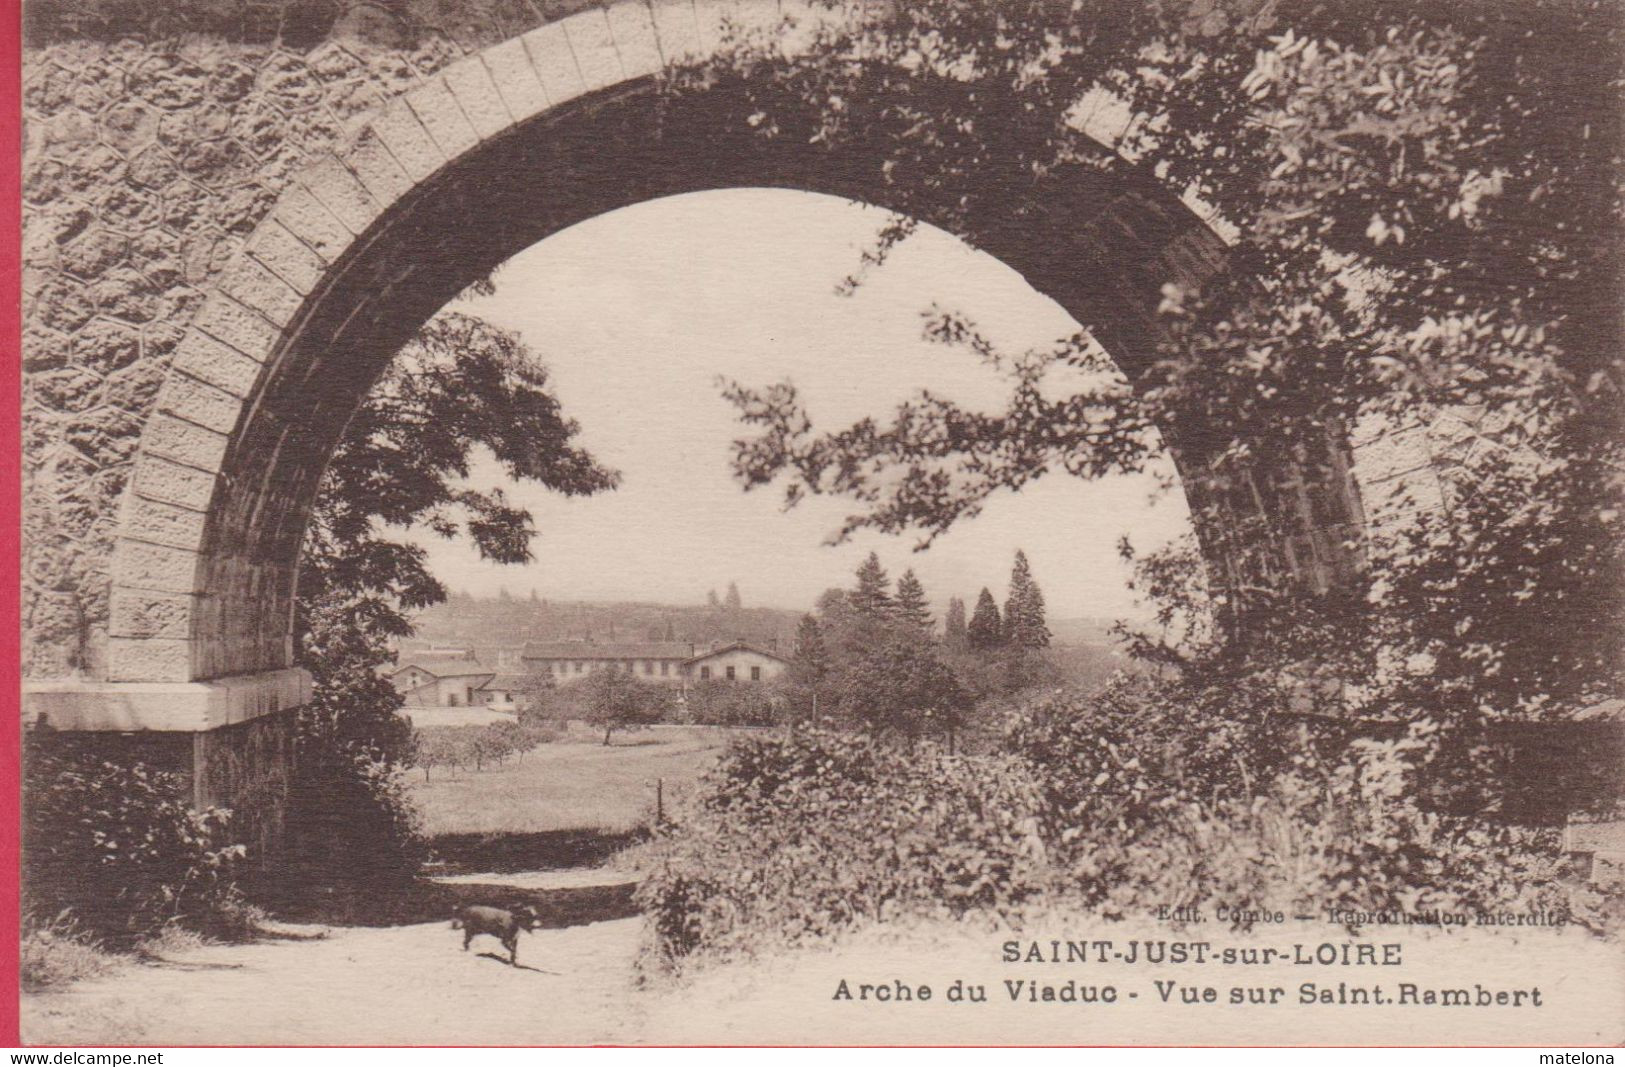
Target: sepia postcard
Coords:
[[822, 522]]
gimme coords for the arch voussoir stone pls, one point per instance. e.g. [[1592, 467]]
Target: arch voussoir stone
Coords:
[[342, 193], [317, 228], [677, 29], [637, 42], [437, 109], [554, 62], [276, 248], [516, 81], [470, 84], [404, 137], [205, 358], [593, 46]]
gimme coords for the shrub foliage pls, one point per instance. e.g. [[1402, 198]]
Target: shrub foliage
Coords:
[[800, 836], [115, 853], [1144, 794]]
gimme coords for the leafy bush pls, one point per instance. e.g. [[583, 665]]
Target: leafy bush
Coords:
[[1145, 794], [115, 850], [798, 837], [1149, 800], [720, 702]]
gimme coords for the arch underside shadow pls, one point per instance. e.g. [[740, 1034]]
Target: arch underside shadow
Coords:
[[1102, 243]]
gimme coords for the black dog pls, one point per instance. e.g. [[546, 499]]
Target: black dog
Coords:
[[504, 925]]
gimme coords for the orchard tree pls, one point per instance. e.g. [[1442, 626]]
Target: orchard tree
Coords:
[[619, 700]]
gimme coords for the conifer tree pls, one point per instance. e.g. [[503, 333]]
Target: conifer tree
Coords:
[[911, 602], [953, 626], [809, 669], [872, 598], [732, 602], [985, 631], [1035, 628], [811, 657], [1024, 625]]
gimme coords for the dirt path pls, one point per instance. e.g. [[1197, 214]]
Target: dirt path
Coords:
[[396, 985]]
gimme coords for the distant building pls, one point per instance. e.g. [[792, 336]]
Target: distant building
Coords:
[[502, 693], [503, 657], [440, 681], [452, 650], [655, 661], [736, 662], [675, 663]]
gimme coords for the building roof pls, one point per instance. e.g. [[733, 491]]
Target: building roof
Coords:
[[585, 650], [456, 650], [736, 646], [442, 666], [505, 681]]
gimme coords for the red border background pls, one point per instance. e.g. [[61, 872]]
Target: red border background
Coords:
[[10, 507]]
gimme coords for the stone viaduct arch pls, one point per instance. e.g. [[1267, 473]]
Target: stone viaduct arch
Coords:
[[492, 153], [499, 151]]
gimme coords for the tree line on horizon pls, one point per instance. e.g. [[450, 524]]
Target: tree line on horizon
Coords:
[[873, 655], [870, 656]]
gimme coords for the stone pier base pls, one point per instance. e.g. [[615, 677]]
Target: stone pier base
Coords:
[[231, 741]]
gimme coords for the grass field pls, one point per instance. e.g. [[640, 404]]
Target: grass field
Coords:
[[576, 783]]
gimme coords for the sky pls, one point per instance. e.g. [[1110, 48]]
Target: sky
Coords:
[[642, 313]]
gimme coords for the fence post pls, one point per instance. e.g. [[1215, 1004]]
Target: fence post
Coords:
[[660, 802]]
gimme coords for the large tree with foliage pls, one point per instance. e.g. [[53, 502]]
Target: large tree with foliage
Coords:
[[461, 385], [897, 684], [1429, 220]]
